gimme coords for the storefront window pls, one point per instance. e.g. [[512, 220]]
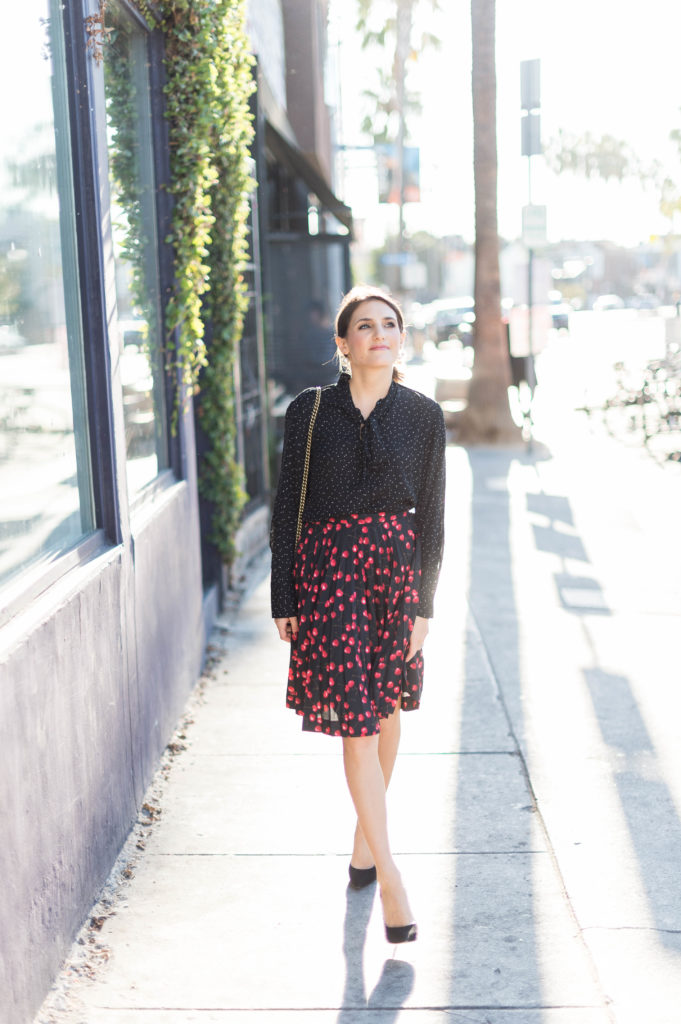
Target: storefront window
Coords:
[[133, 210], [46, 500]]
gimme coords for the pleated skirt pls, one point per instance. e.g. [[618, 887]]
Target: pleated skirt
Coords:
[[357, 583]]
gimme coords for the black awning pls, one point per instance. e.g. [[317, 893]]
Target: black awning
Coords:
[[294, 158]]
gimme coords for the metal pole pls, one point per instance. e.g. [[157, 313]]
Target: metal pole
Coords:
[[530, 144], [530, 254]]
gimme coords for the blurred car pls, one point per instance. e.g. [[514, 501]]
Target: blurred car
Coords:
[[452, 318], [560, 312], [643, 300], [606, 302], [138, 389], [10, 339], [456, 321]]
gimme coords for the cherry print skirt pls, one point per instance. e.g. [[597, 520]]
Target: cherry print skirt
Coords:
[[357, 581]]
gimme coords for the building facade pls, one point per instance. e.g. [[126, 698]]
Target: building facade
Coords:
[[305, 230], [108, 584]]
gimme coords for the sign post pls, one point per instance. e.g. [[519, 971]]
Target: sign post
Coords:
[[534, 217], [534, 226]]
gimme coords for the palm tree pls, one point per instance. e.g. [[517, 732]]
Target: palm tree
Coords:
[[487, 416], [392, 102]]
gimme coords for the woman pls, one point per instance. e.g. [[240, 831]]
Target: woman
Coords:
[[354, 596]]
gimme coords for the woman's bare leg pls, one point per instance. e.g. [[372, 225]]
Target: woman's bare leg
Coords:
[[366, 783], [388, 745]]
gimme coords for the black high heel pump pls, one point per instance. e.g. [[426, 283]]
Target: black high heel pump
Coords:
[[401, 933]]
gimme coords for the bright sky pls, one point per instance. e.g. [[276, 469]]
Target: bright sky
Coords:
[[609, 68]]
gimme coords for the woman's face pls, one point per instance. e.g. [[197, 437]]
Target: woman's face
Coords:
[[373, 338]]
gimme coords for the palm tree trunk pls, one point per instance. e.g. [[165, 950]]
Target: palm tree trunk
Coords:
[[487, 417]]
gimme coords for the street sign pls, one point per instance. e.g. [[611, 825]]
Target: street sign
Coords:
[[534, 226], [414, 276], [530, 84], [518, 330], [386, 166], [530, 134], [397, 259]]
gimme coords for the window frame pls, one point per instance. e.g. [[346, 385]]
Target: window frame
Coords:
[[93, 305], [39, 574], [176, 468], [177, 462], [85, 120]]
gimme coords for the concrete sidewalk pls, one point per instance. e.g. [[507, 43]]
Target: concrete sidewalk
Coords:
[[534, 809]]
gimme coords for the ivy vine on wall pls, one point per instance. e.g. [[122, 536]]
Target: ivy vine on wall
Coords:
[[208, 84], [220, 475], [209, 81]]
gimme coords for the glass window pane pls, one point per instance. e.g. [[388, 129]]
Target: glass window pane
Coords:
[[133, 214], [45, 480]]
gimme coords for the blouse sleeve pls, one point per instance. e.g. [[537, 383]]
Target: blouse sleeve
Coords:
[[430, 515], [285, 513]]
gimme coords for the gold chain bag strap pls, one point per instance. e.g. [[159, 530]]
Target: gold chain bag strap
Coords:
[[306, 467]]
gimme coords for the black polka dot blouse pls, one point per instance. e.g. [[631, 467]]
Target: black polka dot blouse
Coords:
[[391, 462]]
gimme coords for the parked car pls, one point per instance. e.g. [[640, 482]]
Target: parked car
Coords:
[[138, 389], [643, 300], [452, 318], [10, 339], [560, 312], [606, 302]]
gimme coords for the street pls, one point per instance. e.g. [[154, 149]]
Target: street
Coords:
[[536, 805]]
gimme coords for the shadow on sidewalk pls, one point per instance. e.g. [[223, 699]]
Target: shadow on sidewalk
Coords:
[[494, 922], [397, 977], [648, 805], [497, 926], [646, 800]]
